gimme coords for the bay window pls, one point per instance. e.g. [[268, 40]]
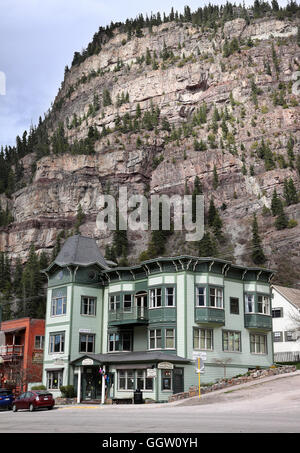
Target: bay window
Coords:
[[155, 297]]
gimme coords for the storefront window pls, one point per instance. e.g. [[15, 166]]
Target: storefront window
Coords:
[[54, 379], [166, 379], [126, 379]]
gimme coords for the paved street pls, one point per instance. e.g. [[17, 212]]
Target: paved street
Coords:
[[267, 406]]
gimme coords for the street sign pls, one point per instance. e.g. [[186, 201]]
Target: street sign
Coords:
[[201, 354]]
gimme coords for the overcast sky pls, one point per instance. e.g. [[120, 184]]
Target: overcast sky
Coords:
[[38, 39]]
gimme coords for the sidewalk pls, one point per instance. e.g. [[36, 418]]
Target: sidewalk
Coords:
[[186, 401]]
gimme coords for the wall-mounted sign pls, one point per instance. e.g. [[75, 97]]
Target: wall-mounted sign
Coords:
[[151, 372], [165, 366], [37, 357], [84, 330], [58, 362], [87, 362]]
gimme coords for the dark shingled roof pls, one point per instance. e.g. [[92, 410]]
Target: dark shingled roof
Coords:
[[135, 357], [81, 251]]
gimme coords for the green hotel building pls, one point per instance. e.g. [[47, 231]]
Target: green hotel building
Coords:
[[111, 330]]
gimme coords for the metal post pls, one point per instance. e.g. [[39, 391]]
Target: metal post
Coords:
[[79, 385], [103, 386], [199, 376]]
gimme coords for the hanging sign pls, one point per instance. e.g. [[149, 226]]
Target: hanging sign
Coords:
[[165, 366], [87, 362]]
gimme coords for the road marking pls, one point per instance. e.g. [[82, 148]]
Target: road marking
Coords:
[[81, 407]]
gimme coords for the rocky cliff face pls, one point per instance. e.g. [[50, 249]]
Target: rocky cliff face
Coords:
[[192, 72]]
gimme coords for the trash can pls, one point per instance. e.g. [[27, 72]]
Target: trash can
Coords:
[[138, 397]]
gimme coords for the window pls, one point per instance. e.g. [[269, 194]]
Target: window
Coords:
[[263, 305], [155, 298], [57, 342], [58, 306], [170, 339], [170, 296], [203, 339], [231, 341], [216, 297], [88, 306], [258, 344], [277, 336], [249, 303], [127, 302], [290, 336], [125, 379], [155, 339], [39, 342], [54, 379], [144, 383], [119, 341], [114, 302], [166, 379], [234, 306], [277, 313], [86, 342], [200, 296]]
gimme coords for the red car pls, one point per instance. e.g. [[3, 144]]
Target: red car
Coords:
[[34, 399]]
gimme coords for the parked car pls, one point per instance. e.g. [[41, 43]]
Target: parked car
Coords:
[[6, 399], [35, 399]]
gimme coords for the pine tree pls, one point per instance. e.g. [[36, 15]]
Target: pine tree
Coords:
[[197, 191], [207, 246], [211, 212], [281, 221], [275, 203], [80, 216], [258, 256], [215, 178]]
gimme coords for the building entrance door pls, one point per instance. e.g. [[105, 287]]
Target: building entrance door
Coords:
[[91, 384], [141, 304], [178, 380]]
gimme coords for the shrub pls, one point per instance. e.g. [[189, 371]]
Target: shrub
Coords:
[[38, 387], [67, 391], [292, 223]]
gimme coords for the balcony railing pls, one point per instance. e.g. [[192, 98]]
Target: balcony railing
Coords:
[[210, 315], [137, 315], [258, 321], [11, 350]]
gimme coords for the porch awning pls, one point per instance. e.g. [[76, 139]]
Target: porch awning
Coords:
[[16, 330], [146, 358]]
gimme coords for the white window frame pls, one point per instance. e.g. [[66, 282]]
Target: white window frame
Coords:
[[112, 340], [126, 310], [39, 341], [126, 375], [231, 340], [115, 302], [90, 306], [204, 337], [170, 337], [155, 298], [51, 377], [257, 344], [54, 306], [265, 304], [218, 297], [52, 336], [171, 295], [249, 303], [155, 338], [198, 296], [141, 376], [93, 336]]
